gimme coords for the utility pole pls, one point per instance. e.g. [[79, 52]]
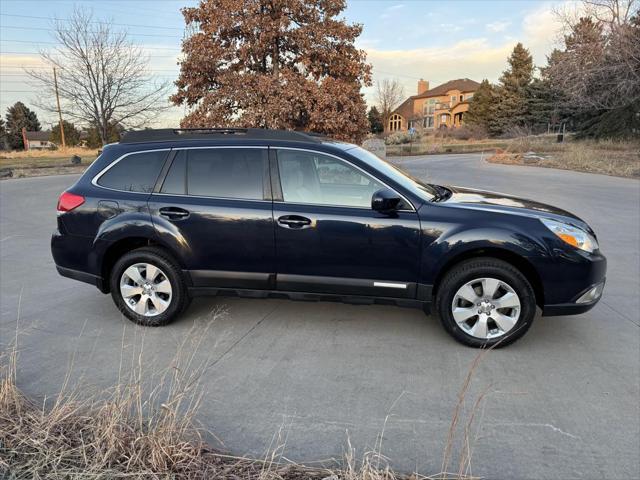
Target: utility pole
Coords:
[[55, 81]]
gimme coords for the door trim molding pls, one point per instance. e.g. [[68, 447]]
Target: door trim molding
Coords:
[[343, 285]]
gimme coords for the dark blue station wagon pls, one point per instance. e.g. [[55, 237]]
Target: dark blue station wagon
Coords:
[[165, 215]]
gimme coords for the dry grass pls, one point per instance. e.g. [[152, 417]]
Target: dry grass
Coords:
[[146, 428], [615, 158], [33, 163], [45, 154]]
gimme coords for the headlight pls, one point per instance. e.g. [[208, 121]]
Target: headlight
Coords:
[[574, 236]]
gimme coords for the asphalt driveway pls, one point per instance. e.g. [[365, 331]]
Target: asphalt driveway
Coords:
[[563, 401]]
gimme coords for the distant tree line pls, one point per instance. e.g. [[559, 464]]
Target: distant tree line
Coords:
[[591, 84], [19, 116]]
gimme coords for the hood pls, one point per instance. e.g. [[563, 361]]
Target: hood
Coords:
[[499, 202]]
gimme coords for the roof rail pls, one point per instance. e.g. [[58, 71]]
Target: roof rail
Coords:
[[169, 134]]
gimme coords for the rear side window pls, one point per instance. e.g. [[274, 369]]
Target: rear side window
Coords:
[[218, 172], [136, 172]]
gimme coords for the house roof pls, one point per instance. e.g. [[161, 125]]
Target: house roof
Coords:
[[42, 136], [405, 109], [462, 84]]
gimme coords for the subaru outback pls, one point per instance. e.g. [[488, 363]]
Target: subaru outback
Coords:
[[165, 215]]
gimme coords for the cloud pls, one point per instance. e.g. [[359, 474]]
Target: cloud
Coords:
[[497, 26], [391, 9], [472, 58], [475, 58]]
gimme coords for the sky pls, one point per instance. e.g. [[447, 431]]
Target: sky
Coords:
[[404, 40]]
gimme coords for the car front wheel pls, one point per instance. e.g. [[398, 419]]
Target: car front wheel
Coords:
[[485, 302], [148, 287]]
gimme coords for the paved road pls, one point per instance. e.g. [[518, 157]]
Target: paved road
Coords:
[[563, 401]]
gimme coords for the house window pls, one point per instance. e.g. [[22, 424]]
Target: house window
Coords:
[[428, 122], [469, 96], [395, 122], [443, 118], [453, 99]]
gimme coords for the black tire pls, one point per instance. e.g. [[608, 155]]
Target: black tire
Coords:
[[158, 257], [469, 270]]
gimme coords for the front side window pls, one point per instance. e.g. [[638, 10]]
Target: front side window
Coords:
[[218, 172], [136, 172], [309, 177]]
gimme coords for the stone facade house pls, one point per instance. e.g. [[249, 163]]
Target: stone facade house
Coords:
[[441, 107]]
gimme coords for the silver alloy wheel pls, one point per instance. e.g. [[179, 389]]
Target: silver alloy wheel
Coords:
[[145, 289], [486, 308]]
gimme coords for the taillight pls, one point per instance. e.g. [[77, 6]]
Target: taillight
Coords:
[[68, 201]]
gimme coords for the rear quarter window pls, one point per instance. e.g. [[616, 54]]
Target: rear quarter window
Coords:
[[137, 172]]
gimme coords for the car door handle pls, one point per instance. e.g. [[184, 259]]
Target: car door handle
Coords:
[[174, 213], [294, 222]]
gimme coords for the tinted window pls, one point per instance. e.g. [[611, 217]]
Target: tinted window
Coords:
[[137, 172], [309, 177], [218, 172], [176, 179]]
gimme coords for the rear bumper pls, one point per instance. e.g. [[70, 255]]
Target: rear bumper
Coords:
[[85, 277], [72, 256]]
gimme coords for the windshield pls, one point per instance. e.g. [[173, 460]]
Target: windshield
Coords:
[[415, 186]]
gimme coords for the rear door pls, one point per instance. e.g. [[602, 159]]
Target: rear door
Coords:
[[214, 208], [329, 240]]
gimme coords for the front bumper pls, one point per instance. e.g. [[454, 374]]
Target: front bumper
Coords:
[[578, 305], [573, 282]]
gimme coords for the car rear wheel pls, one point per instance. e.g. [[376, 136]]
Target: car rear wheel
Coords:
[[148, 287], [485, 302]]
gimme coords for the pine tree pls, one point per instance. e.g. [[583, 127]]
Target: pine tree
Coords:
[[71, 134], [94, 135], [4, 144], [288, 64], [481, 107], [18, 117], [511, 97], [520, 71], [375, 120]]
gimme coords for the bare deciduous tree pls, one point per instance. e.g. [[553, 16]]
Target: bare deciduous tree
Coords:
[[599, 68], [103, 79], [389, 94]]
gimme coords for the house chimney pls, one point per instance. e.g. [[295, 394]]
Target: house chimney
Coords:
[[423, 86]]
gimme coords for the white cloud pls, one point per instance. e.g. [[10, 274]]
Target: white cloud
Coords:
[[497, 26], [472, 58], [390, 10]]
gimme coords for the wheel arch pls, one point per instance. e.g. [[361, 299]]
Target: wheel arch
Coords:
[[123, 246], [518, 261]]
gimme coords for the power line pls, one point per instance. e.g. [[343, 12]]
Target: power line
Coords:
[[93, 21], [32, 42], [38, 53], [129, 33]]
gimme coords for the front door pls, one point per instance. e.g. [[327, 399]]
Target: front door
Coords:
[[214, 209], [329, 240]]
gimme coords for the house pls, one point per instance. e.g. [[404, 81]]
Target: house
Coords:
[[441, 107], [37, 140]]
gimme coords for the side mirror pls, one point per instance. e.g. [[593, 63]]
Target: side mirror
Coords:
[[385, 201]]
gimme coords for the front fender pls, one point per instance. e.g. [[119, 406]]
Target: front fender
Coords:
[[460, 242]]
